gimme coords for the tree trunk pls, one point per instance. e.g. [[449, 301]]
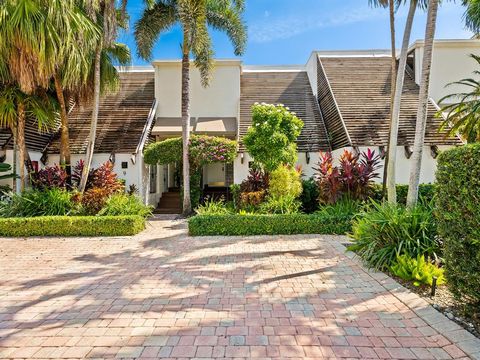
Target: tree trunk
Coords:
[[187, 204], [422, 112], [65, 156], [21, 143], [392, 146], [13, 129], [94, 120], [391, 5]]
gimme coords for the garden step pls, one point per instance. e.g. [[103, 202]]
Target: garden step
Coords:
[[167, 211], [170, 203]]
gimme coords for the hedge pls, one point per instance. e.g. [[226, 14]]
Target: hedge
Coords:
[[72, 226], [426, 192], [231, 225], [458, 217]]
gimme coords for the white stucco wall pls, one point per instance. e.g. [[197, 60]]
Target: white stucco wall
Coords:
[[220, 99], [312, 72], [451, 62]]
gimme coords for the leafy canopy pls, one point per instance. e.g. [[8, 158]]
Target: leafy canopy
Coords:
[[271, 139]]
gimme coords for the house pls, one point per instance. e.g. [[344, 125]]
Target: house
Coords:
[[343, 97]]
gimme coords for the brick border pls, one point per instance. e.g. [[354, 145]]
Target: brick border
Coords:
[[460, 337]]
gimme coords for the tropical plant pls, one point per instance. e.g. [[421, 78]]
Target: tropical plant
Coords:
[[417, 270], [285, 181], [15, 108], [280, 204], [271, 140], [384, 231], [472, 15], [124, 204], [397, 95], [421, 123], [252, 200], [49, 177], [309, 196], [343, 207], [256, 180], [194, 17], [50, 202], [104, 177], [212, 207], [353, 178], [462, 110]]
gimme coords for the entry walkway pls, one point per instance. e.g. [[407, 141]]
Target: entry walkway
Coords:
[[163, 294]]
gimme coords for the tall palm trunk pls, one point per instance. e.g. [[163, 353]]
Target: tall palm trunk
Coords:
[[94, 120], [422, 104], [392, 146], [65, 156], [187, 204], [21, 143], [13, 129], [391, 5]]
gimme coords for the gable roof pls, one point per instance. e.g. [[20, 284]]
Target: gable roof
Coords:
[[121, 120], [291, 88], [354, 95]]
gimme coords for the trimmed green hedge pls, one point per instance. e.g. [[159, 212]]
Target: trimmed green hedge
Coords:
[[458, 217], [231, 225], [72, 226]]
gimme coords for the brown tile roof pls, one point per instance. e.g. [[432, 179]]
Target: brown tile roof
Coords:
[[361, 89], [36, 140], [122, 117], [291, 89]]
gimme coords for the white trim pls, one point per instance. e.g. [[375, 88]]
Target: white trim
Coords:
[[216, 62], [274, 68], [135, 68], [439, 110], [445, 43], [354, 53]]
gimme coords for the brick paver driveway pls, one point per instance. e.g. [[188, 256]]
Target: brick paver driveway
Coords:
[[163, 294]]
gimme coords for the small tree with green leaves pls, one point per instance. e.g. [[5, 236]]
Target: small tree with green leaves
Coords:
[[271, 139]]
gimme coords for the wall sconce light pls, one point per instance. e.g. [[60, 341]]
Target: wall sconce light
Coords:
[[434, 151], [112, 158], [408, 151], [242, 157], [307, 157], [382, 150]]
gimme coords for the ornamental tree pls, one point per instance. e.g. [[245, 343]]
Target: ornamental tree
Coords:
[[271, 139]]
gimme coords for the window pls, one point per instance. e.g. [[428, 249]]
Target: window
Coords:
[[153, 179]]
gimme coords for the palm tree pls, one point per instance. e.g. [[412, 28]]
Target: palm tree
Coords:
[[45, 39], [472, 15], [393, 136], [105, 76], [15, 108], [421, 124], [194, 17], [463, 109]]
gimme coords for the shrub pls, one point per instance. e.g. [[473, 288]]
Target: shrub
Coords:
[[247, 224], [123, 204], [104, 177], [212, 207], [93, 200], [271, 139], [50, 177], [352, 179], [285, 181], [31, 203], [426, 193], [309, 196], [384, 231], [458, 215], [283, 204], [344, 207], [72, 226], [256, 180], [417, 270], [235, 191], [252, 199]]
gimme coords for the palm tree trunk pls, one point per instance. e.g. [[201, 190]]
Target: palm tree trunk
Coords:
[[422, 104], [21, 144], [65, 156], [392, 146], [391, 5], [13, 129], [94, 120], [187, 204]]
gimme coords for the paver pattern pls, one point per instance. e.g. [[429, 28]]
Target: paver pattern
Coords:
[[163, 294]]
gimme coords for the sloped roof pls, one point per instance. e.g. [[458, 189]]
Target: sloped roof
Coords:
[[36, 140], [354, 95], [291, 88], [121, 120]]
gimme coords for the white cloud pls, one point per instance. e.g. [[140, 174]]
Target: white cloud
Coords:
[[290, 26]]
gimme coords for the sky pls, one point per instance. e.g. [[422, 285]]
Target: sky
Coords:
[[287, 31]]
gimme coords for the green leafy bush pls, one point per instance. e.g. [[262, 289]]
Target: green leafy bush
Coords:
[[458, 216], [271, 140], [123, 204], [212, 207], [426, 193], [417, 270], [247, 224], [285, 181], [252, 200], [31, 203], [309, 196], [283, 204], [343, 207], [72, 226], [384, 231]]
